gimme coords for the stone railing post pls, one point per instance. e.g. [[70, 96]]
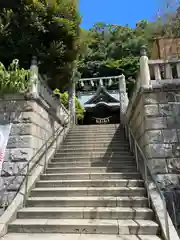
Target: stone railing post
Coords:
[[123, 97], [34, 77], [73, 102], [144, 68], [72, 96]]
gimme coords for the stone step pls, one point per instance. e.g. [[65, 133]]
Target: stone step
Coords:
[[85, 158], [113, 125], [58, 236], [88, 191], [90, 183], [97, 129], [97, 135], [94, 148], [90, 132], [87, 226], [116, 126], [95, 138], [94, 176], [94, 144], [85, 213], [91, 169], [128, 160], [95, 141], [87, 201], [61, 164], [94, 154]]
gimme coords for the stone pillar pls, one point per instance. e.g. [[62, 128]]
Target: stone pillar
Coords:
[[73, 102], [72, 96], [123, 97], [144, 68], [157, 72], [34, 77], [168, 71], [72, 108]]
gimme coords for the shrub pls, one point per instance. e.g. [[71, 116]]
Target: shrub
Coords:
[[14, 79], [64, 98]]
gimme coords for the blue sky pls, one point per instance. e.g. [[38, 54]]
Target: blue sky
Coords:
[[117, 11]]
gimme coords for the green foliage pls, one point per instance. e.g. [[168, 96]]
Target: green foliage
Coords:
[[169, 20], [42, 28], [80, 111], [110, 50], [14, 79], [171, 27], [64, 98]]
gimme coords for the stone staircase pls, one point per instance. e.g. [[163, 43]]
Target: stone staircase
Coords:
[[91, 186]]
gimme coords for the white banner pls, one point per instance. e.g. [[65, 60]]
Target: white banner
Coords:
[[102, 120], [4, 135]]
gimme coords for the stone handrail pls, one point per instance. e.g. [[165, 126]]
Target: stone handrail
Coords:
[[46, 93], [164, 69], [154, 73], [40, 90], [39, 87]]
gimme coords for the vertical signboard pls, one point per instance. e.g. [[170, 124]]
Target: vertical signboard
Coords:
[[4, 135]]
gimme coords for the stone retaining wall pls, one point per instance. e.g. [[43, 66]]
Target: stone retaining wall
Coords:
[[33, 122], [155, 121], [154, 117]]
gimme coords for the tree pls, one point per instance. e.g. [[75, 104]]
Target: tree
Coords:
[[46, 29], [169, 19], [111, 50]]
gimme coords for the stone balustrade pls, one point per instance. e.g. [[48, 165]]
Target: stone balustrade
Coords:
[[164, 70], [46, 93], [157, 72]]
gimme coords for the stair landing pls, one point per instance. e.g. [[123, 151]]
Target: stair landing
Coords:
[[31, 236]]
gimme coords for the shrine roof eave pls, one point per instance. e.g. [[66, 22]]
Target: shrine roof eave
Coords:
[[102, 103], [99, 90]]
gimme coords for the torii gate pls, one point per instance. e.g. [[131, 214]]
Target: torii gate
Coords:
[[93, 86]]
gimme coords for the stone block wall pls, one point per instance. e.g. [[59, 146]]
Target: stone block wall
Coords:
[[135, 115], [154, 117], [33, 122], [155, 121], [162, 130]]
